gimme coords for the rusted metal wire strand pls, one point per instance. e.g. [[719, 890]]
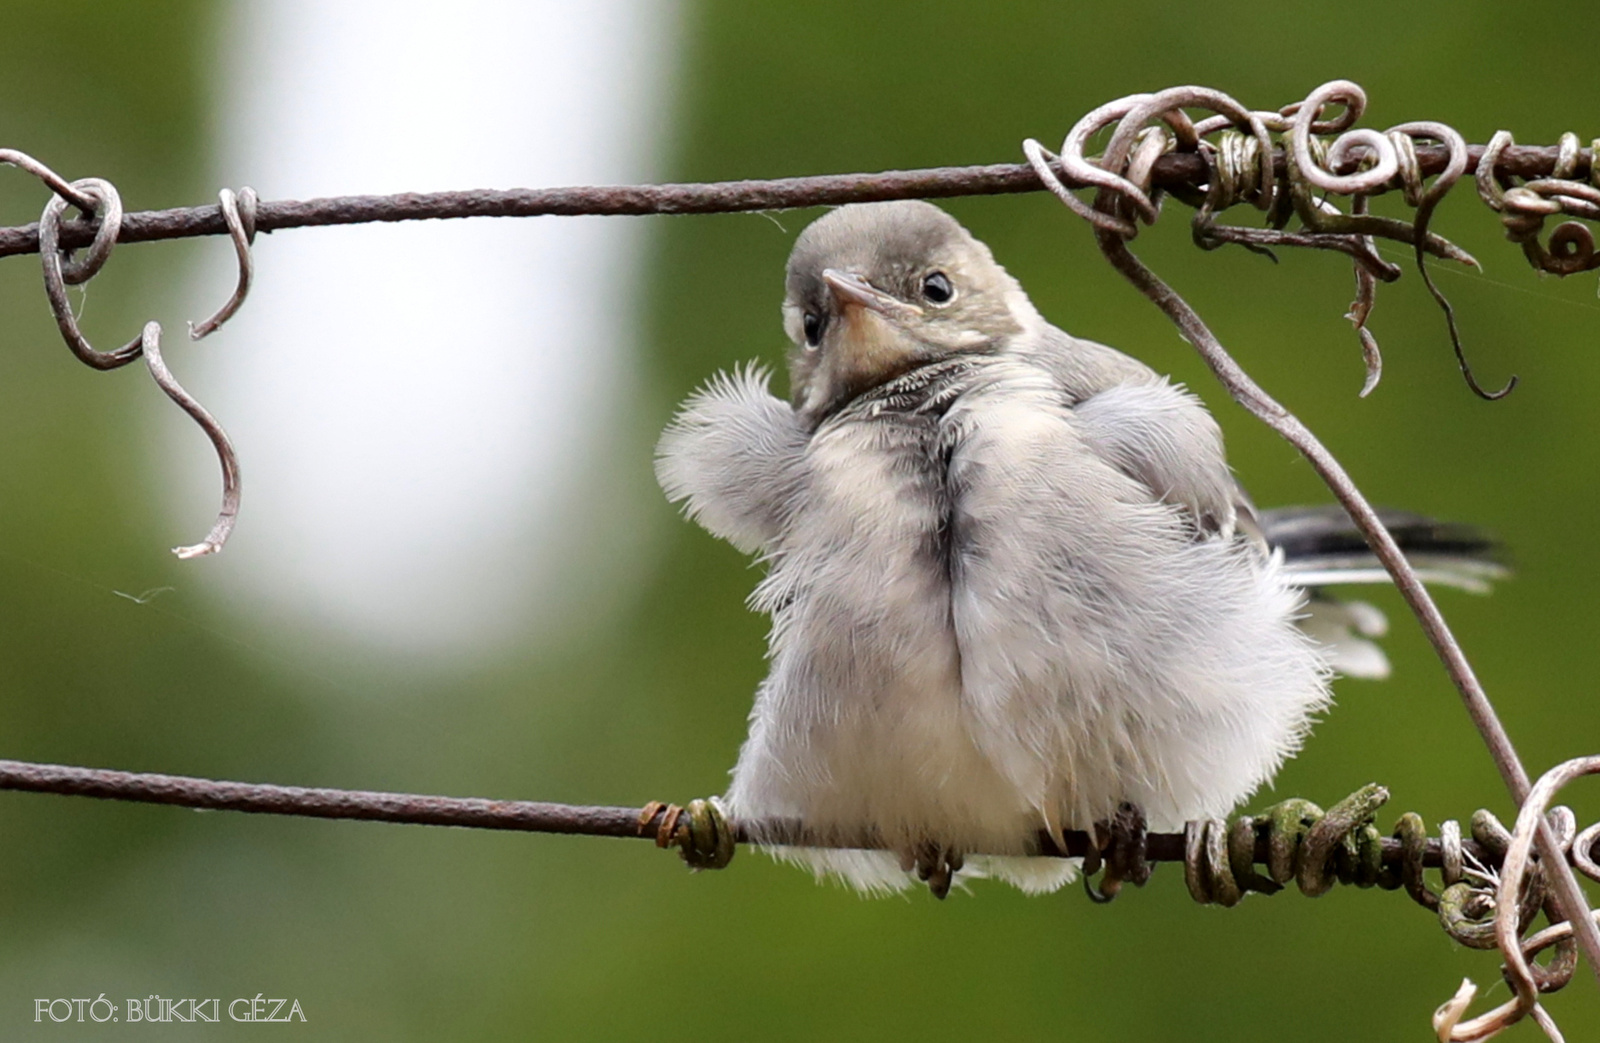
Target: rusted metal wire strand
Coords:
[[530, 816], [706, 198]]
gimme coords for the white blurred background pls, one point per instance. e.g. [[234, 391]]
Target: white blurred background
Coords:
[[427, 414]]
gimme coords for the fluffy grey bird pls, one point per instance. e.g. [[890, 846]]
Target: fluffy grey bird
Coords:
[[1013, 582]]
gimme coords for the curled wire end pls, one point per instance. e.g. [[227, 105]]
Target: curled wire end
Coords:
[[1426, 199], [201, 549], [1450, 316], [99, 200], [1360, 311], [218, 536], [1461, 355], [1489, 396], [1449, 1027], [1450, 1012], [239, 214], [1373, 359]]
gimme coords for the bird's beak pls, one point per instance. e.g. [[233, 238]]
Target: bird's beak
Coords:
[[873, 341], [852, 291]]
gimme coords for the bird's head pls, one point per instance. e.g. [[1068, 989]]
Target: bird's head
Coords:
[[877, 289]]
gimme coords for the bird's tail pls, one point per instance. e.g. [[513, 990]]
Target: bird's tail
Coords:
[[1321, 547]]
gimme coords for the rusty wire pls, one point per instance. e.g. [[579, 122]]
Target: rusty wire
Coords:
[[1125, 196], [1408, 850], [1173, 171]]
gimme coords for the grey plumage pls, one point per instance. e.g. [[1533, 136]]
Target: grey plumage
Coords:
[[1011, 577]]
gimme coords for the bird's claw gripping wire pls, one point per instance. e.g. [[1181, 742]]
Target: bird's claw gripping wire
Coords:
[[699, 830], [1121, 846], [935, 866]]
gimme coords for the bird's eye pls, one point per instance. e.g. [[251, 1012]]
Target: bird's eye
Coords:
[[813, 328], [937, 289]]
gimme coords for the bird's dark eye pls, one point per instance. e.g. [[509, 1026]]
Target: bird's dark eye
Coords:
[[813, 328], [937, 289]]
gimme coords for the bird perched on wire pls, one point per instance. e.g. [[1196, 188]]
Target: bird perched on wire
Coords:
[[1013, 583]]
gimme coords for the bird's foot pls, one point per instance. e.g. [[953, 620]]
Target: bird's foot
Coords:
[[1119, 845], [935, 866], [699, 831]]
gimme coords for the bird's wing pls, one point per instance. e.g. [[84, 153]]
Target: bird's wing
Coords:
[[1162, 437], [735, 454], [1080, 368]]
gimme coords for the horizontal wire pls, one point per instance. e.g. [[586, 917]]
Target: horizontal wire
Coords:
[[515, 815], [1170, 170]]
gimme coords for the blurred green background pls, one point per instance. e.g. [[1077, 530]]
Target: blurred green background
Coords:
[[402, 933]]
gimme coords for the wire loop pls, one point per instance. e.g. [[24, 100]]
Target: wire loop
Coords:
[[239, 212], [99, 199], [108, 223], [59, 270], [1523, 208], [1584, 848]]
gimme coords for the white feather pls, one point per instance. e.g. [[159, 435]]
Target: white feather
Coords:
[[733, 454]]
